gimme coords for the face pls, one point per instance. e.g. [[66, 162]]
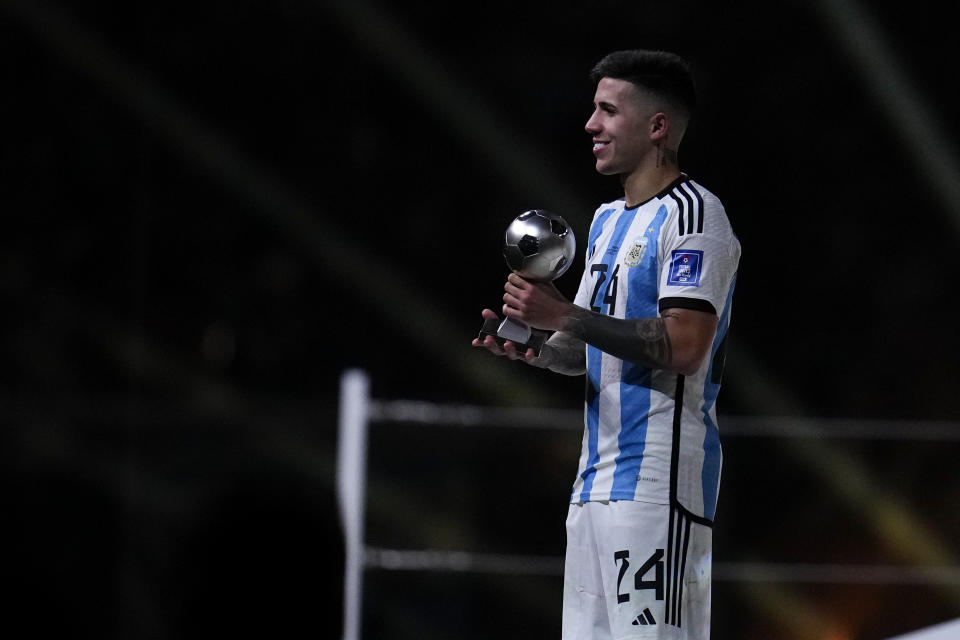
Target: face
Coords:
[[618, 127]]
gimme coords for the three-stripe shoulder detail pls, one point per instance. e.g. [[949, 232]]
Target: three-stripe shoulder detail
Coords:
[[690, 207]]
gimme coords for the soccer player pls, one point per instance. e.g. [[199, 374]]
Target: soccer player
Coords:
[[647, 328]]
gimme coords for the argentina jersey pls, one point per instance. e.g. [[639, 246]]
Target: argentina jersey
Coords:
[[651, 435]]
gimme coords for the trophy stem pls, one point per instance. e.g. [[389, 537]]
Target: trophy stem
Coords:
[[534, 340], [514, 330]]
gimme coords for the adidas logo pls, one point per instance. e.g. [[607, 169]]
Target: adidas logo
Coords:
[[644, 618]]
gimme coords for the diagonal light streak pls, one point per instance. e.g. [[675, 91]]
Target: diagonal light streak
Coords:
[[403, 305], [518, 161], [860, 36], [894, 522]]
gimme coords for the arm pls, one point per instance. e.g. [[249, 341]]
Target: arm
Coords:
[[562, 353], [678, 341]]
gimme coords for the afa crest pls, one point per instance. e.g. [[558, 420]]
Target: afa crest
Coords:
[[639, 249]]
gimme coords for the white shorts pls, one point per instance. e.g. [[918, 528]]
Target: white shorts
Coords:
[[635, 570]]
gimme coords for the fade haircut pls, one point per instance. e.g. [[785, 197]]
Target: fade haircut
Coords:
[[664, 75]]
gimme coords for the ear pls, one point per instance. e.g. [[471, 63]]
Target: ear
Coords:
[[658, 126]]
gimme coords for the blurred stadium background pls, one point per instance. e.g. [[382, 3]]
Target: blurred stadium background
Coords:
[[215, 208]]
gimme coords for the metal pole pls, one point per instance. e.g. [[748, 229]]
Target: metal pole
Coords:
[[351, 492]]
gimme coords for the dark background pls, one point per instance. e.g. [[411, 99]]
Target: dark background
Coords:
[[213, 209]]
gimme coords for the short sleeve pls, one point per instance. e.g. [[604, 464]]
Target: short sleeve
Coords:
[[698, 265]]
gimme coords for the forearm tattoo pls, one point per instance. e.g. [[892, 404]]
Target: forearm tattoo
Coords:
[[644, 341], [564, 354]]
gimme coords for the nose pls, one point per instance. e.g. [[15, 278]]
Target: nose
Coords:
[[592, 127]]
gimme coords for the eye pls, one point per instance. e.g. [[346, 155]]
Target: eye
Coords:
[[606, 107]]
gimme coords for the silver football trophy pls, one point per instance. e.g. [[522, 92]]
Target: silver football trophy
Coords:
[[538, 245]]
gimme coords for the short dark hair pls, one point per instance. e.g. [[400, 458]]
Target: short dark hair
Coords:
[[664, 74]]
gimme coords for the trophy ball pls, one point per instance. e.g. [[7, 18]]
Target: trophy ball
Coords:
[[539, 245]]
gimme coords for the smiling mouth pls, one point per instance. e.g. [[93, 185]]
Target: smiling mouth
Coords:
[[599, 145]]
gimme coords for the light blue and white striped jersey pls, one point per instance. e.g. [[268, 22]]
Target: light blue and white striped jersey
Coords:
[[651, 435]]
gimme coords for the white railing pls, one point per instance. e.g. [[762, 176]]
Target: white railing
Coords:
[[358, 410]]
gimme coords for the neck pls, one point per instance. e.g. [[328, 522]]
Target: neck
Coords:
[[651, 177]]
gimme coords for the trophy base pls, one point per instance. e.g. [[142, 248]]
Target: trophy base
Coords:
[[491, 327]]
